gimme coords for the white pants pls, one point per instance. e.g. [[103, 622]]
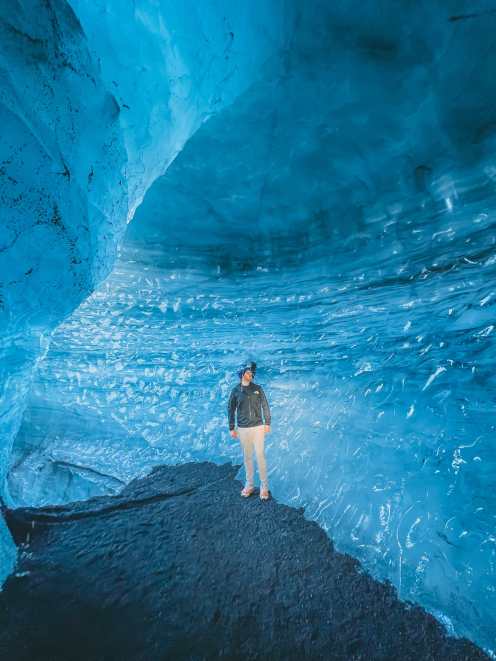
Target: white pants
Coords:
[[253, 438]]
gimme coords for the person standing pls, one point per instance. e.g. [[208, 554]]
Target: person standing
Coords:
[[246, 405]]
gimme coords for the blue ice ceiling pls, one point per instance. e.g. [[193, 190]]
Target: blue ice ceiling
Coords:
[[96, 100], [311, 184]]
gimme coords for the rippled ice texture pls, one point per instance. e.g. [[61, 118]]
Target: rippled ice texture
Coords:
[[379, 364], [325, 223], [96, 100]]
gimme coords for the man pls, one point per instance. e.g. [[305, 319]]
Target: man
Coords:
[[247, 401]]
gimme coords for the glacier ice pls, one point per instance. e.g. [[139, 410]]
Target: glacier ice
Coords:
[[96, 100], [379, 378], [334, 219]]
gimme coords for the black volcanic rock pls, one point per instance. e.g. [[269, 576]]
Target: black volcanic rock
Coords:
[[179, 566]]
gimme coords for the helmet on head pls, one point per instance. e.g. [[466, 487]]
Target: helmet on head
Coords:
[[250, 365]]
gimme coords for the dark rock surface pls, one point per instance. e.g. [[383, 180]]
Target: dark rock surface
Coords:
[[179, 566]]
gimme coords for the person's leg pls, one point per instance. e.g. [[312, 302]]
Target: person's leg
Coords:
[[259, 442], [246, 440]]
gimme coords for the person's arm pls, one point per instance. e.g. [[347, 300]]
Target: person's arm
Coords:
[[231, 409], [265, 408]]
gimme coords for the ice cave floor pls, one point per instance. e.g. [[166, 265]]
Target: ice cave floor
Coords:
[[179, 566]]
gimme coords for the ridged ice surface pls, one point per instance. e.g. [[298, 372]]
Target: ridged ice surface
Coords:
[[96, 100], [328, 212], [379, 365]]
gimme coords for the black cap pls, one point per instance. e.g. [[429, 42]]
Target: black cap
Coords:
[[248, 366]]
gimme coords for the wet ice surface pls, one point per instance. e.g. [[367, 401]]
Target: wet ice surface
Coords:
[[378, 358]]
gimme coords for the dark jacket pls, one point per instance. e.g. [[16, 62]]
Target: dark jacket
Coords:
[[248, 402]]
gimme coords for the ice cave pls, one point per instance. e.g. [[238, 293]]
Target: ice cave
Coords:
[[186, 185]]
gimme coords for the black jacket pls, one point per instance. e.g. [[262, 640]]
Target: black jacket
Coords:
[[248, 402]]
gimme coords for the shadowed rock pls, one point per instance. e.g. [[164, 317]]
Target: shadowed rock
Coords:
[[179, 566]]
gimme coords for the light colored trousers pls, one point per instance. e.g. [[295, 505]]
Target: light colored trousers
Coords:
[[252, 438]]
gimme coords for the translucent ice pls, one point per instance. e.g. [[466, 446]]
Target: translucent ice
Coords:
[[333, 221], [382, 405], [96, 100]]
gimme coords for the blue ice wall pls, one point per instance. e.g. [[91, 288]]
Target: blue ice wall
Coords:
[[96, 100], [379, 366], [335, 221]]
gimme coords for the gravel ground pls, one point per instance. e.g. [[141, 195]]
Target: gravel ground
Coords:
[[179, 566]]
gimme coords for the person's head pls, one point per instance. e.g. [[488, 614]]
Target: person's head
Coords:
[[247, 372], [247, 376]]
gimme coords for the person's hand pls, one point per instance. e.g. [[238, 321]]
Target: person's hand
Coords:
[[233, 433], [267, 429]]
